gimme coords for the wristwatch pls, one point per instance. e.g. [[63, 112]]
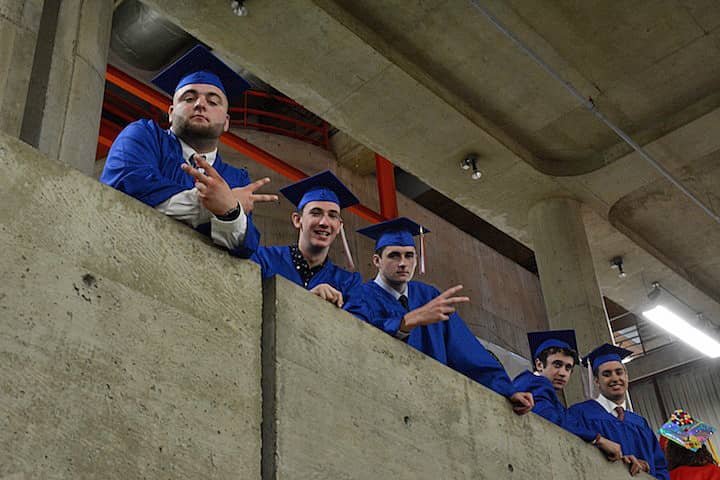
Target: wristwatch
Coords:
[[231, 214]]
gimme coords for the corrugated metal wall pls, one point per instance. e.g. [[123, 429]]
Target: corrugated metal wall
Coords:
[[694, 387]]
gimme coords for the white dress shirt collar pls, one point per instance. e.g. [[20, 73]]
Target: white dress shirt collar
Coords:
[[188, 151], [609, 405], [396, 295]]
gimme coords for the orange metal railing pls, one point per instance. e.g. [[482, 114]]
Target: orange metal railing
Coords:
[[110, 130], [316, 134]]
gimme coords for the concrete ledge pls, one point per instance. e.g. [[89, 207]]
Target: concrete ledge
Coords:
[[129, 348], [344, 400]]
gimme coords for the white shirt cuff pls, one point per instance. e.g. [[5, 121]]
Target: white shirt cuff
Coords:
[[229, 234]]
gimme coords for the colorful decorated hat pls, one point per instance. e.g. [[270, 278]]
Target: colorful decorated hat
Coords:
[[199, 65], [686, 431], [545, 339]]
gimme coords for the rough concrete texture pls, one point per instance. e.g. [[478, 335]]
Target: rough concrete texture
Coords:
[[570, 289], [569, 285], [347, 401], [73, 100], [19, 23], [129, 347]]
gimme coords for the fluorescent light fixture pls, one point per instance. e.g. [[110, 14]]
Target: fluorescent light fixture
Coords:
[[668, 321]]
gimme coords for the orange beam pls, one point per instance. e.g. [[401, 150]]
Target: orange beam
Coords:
[[385, 173], [157, 99]]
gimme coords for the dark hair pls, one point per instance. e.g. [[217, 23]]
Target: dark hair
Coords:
[[679, 456], [568, 352], [379, 251]]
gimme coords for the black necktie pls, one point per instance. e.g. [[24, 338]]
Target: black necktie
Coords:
[[403, 301]]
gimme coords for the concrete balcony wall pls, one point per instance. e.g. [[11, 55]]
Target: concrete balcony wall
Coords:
[[342, 399], [129, 347]]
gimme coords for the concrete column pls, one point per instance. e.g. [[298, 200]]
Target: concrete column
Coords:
[[64, 110], [567, 278], [19, 24]]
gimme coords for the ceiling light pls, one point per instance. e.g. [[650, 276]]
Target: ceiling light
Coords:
[[617, 263], [471, 162], [238, 8], [673, 324]]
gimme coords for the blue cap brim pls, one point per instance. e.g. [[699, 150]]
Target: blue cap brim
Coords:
[[398, 232], [324, 186], [200, 59], [605, 353], [539, 341]]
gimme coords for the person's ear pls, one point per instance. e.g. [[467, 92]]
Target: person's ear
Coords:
[[539, 365], [376, 260], [295, 217]]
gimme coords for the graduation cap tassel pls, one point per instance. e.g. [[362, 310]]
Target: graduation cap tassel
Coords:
[[588, 393], [422, 250], [346, 247]]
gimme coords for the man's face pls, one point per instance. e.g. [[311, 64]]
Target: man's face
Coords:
[[396, 264], [558, 369], [319, 223], [612, 381], [199, 110]]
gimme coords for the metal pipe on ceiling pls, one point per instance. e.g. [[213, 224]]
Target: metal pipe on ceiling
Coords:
[[590, 105]]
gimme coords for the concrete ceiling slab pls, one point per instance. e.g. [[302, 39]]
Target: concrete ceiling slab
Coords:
[[426, 82]]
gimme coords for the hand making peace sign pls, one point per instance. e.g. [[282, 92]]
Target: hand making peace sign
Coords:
[[217, 196]]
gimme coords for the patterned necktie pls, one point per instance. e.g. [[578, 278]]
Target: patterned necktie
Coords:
[[404, 301], [194, 164], [620, 413]]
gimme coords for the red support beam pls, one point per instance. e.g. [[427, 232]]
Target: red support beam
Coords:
[[157, 99], [385, 173]]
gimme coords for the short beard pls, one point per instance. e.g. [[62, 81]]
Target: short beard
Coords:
[[199, 137]]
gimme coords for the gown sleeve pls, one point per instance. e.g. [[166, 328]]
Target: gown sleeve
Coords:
[[466, 354], [132, 166]]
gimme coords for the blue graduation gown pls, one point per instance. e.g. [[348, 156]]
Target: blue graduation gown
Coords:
[[549, 406], [278, 261], [450, 342], [144, 162], [633, 434]]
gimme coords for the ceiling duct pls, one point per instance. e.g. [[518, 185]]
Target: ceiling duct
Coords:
[[145, 39]]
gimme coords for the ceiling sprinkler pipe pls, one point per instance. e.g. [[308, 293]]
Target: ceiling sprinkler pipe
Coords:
[[590, 105]]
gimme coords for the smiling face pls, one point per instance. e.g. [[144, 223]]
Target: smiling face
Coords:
[[396, 265], [557, 367], [199, 111], [612, 381], [318, 223]]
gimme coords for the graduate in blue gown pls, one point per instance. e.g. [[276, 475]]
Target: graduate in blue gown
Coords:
[[319, 200], [179, 171], [609, 415], [421, 315], [554, 354]]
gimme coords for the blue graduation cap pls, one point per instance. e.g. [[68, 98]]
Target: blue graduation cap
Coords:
[[398, 232], [199, 65], [545, 339], [605, 353], [323, 187]]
